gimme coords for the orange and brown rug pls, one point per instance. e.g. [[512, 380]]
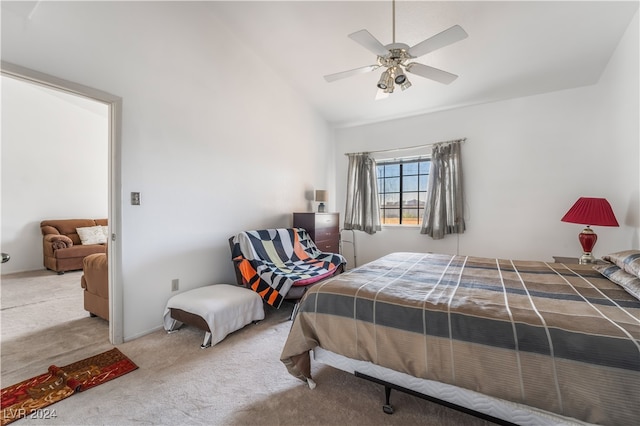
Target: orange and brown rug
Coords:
[[30, 397]]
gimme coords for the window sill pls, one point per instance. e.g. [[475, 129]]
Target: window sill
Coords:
[[401, 226]]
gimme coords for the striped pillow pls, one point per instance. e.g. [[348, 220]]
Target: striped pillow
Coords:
[[629, 260], [629, 282]]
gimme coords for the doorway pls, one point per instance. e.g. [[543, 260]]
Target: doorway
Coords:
[[113, 105]]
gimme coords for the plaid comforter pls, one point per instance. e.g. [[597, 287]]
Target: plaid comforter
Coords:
[[557, 337], [272, 260]]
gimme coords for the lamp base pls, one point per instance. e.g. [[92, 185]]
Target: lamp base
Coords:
[[587, 240], [586, 258], [321, 208]]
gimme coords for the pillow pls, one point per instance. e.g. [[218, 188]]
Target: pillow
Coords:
[[59, 241], [105, 231], [628, 260], [629, 282], [91, 235]]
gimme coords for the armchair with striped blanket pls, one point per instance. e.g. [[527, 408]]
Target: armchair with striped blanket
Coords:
[[281, 263]]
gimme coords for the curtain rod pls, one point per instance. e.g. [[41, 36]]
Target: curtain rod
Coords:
[[407, 148]]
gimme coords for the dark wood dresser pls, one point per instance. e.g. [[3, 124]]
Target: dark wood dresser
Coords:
[[323, 228]]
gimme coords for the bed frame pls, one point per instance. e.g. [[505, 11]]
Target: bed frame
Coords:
[[388, 408], [476, 404]]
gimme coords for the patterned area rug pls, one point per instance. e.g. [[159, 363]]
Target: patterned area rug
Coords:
[[30, 397]]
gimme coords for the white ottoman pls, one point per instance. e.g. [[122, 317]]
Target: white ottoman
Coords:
[[217, 309]]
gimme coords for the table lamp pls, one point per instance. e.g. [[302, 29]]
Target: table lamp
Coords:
[[590, 211], [322, 197]]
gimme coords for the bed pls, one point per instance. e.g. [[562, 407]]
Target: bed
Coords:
[[526, 342]]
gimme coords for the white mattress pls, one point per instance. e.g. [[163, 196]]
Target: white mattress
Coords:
[[506, 410], [225, 307]]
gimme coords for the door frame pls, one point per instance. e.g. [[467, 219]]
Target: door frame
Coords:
[[114, 103]]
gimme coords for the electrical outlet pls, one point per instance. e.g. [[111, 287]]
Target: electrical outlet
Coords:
[[175, 284]]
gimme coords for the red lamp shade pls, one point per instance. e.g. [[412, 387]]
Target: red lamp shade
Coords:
[[590, 211]]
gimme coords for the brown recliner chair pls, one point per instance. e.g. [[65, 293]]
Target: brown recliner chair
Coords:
[[95, 283]]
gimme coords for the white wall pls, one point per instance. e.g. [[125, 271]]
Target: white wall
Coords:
[[526, 161], [54, 166], [619, 91], [212, 138]]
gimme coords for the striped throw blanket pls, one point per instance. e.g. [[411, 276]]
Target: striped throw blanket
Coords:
[[271, 261], [562, 338]]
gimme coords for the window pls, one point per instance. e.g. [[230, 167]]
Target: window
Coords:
[[402, 188]]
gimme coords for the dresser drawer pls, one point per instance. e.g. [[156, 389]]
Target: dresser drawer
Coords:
[[329, 246], [326, 220], [325, 234]]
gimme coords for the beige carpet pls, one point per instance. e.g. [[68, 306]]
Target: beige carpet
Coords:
[[239, 381]]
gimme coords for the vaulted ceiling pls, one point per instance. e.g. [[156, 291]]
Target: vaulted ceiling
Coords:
[[514, 49]]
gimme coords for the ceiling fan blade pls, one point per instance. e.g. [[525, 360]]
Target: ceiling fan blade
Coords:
[[369, 42], [345, 74], [431, 73], [445, 38]]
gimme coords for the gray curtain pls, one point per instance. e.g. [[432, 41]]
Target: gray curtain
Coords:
[[362, 210], [444, 211]]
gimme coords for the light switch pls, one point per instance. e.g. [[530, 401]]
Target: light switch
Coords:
[[135, 198]]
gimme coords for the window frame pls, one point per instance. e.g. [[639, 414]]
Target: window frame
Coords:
[[402, 207]]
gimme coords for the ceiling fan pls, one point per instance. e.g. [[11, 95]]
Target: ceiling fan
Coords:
[[396, 57]]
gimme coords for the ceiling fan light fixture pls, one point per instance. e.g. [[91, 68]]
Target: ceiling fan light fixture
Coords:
[[390, 81], [406, 84], [399, 76], [383, 83]]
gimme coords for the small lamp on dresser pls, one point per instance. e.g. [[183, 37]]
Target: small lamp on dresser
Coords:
[[590, 211], [322, 197]]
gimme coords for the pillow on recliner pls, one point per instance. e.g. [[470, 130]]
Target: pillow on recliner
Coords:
[[92, 235], [59, 241]]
